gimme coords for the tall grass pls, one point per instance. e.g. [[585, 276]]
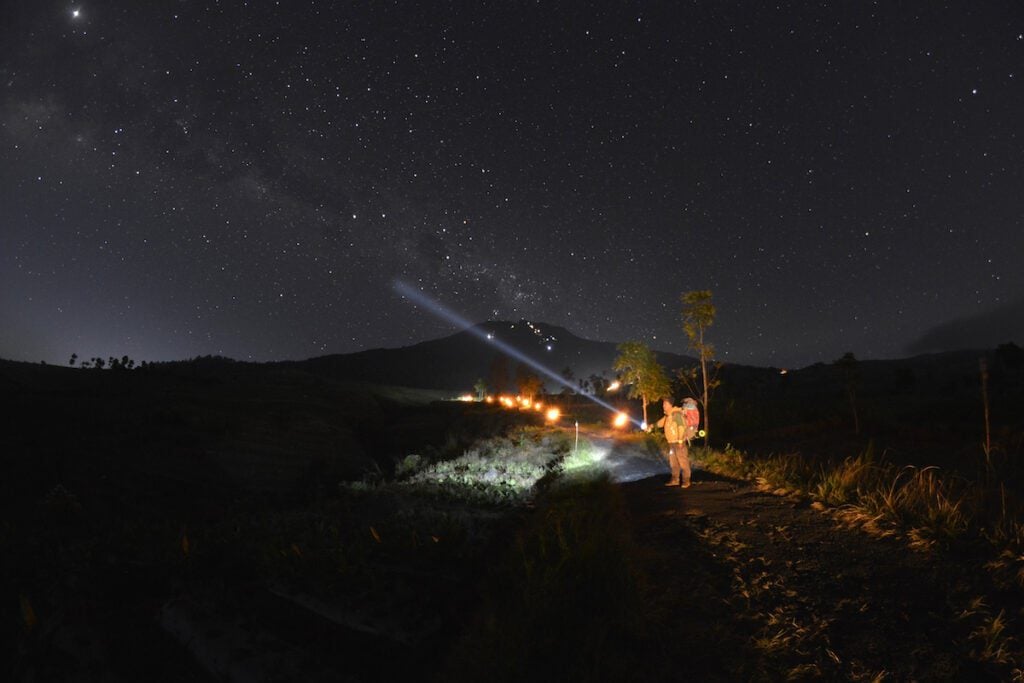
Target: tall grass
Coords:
[[568, 595], [931, 505]]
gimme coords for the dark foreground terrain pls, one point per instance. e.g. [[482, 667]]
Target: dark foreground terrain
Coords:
[[229, 523], [762, 585]]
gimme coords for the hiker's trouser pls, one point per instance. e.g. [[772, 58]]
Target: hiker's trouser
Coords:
[[679, 461]]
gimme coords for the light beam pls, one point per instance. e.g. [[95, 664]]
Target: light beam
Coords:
[[442, 311]]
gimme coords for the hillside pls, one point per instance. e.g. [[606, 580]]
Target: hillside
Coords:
[[912, 405], [455, 362]]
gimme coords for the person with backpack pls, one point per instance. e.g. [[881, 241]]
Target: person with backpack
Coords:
[[678, 432]]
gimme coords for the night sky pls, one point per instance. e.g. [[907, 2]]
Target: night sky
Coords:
[[249, 179]]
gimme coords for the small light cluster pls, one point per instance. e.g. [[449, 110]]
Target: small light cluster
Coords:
[[547, 340], [519, 403]]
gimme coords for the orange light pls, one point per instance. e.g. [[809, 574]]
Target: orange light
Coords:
[[538, 405], [553, 414], [489, 399], [466, 397], [620, 421]]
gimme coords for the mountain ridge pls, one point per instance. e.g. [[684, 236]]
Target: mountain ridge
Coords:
[[458, 360]]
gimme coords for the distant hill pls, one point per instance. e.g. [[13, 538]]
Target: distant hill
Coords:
[[987, 329], [918, 406], [455, 362]]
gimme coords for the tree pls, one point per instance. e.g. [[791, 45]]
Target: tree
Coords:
[[849, 369], [480, 388], [529, 384], [73, 358], [641, 371], [698, 316], [598, 384], [568, 375]]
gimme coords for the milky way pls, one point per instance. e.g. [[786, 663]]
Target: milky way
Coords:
[[249, 178]]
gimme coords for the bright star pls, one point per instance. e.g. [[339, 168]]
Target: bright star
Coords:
[[75, 13]]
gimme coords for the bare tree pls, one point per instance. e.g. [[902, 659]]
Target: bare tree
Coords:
[[698, 316]]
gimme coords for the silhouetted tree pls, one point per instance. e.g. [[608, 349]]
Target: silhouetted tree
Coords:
[[529, 384], [1009, 355], [73, 358], [598, 384], [480, 388], [568, 375]]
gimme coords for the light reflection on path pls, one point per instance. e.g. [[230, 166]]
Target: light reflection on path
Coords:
[[626, 460]]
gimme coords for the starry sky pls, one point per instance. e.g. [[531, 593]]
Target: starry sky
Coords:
[[249, 179]]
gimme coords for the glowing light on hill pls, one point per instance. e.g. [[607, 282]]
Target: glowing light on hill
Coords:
[[553, 414], [620, 420], [421, 299]]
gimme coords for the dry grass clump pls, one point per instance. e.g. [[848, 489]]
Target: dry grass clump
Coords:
[[932, 505]]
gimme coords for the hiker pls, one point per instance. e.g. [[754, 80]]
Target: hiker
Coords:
[[678, 433]]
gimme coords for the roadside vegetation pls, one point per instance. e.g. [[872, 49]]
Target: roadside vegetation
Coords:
[[979, 520], [934, 507], [395, 558]]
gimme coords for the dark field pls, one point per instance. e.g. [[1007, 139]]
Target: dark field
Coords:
[[220, 521]]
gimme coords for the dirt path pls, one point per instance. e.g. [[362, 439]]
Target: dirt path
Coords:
[[764, 586]]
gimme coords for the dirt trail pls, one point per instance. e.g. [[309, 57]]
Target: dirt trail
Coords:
[[796, 593]]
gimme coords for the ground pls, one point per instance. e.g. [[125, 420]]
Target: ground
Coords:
[[800, 594]]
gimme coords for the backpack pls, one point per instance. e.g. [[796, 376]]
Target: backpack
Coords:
[[675, 426], [692, 416]]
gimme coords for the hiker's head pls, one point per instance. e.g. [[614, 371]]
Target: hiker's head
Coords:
[[666, 403]]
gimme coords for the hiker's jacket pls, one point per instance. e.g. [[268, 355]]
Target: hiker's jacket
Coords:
[[675, 431]]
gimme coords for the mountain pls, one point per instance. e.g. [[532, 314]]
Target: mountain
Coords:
[[984, 330], [456, 362]]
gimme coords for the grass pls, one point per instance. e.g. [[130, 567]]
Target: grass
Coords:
[[566, 600], [931, 507]]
